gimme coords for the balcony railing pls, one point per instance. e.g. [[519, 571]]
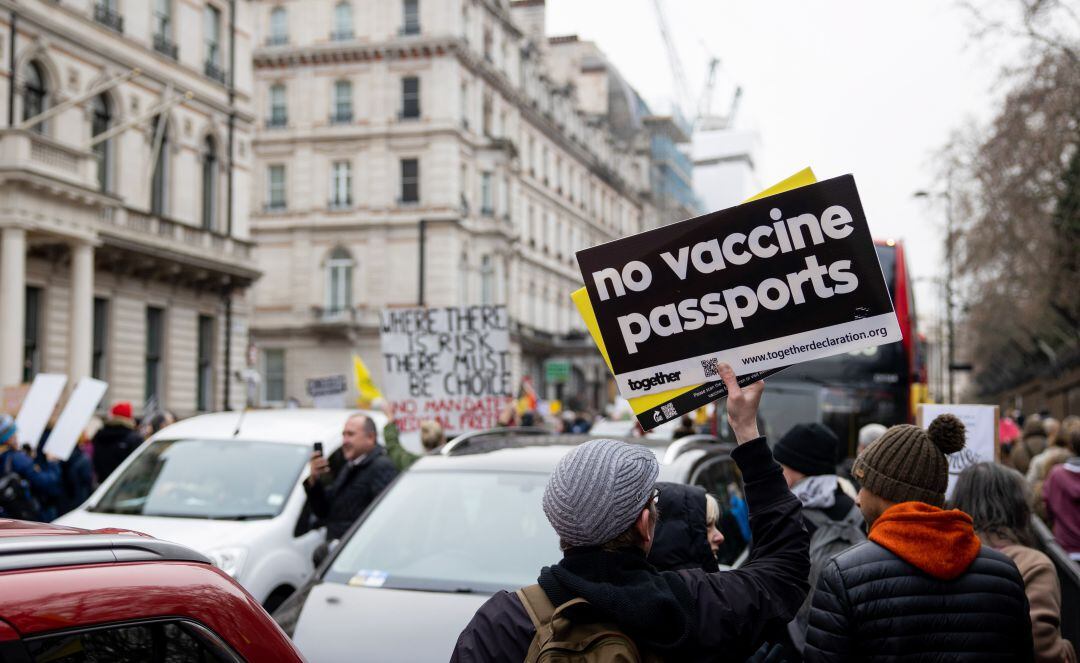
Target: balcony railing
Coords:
[[165, 46], [108, 17], [213, 70], [190, 239], [341, 117]]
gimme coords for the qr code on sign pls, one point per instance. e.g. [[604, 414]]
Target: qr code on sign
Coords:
[[669, 410], [710, 366]]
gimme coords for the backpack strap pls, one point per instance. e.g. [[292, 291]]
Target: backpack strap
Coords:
[[541, 610]]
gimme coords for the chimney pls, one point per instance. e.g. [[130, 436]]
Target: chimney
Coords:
[[531, 17]]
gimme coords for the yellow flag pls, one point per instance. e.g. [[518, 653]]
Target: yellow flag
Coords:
[[368, 391]]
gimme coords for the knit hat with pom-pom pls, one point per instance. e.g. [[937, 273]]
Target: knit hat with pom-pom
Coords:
[[908, 464]]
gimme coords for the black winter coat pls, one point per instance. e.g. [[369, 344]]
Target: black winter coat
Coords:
[[112, 444], [870, 605], [353, 490], [717, 616]]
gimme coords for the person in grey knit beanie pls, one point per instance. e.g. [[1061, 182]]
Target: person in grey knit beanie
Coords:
[[597, 491]]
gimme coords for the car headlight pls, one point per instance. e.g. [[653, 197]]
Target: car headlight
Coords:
[[229, 560]]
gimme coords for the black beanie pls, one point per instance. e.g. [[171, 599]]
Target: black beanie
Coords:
[[808, 448]]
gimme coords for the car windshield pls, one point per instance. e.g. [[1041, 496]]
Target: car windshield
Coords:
[[452, 532], [219, 479]]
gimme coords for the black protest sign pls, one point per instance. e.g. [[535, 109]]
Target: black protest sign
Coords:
[[760, 286], [450, 365]]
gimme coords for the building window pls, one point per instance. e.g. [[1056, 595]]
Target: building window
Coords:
[[465, 105], [162, 18], [343, 22], [275, 187], [342, 103], [279, 27], [101, 335], [487, 281], [411, 17], [209, 183], [100, 123], [159, 191], [212, 43], [107, 14], [274, 375], [339, 270], [32, 334], [410, 180], [410, 97], [485, 120], [340, 184], [505, 198], [155, 331], [205, 366], [486, 194], [488, 40], [279, 114], [463, 280], [34, 94]]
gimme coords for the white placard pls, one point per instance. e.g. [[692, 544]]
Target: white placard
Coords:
[[38, 407], [328, 392], [80, 407], [980, 429], [450, 365]]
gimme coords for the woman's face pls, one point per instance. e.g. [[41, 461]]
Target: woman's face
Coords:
[[712, 533]]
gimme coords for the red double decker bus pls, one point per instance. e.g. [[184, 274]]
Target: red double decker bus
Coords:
[[875, 385]]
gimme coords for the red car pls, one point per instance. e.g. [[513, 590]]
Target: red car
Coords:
[[73, 596]]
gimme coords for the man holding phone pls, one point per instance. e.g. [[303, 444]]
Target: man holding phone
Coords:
[[366, 473]]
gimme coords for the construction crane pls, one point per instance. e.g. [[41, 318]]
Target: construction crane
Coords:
[[682, 90]]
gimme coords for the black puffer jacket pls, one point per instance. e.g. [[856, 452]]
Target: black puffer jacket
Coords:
[[870, 605], [681, 541]]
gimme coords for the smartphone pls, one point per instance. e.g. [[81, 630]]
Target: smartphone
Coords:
[[318, 448]]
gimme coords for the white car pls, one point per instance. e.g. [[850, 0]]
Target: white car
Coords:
[[228, 485]]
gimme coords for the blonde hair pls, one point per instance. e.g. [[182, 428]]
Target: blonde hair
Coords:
[[431, 435], [712, 511]]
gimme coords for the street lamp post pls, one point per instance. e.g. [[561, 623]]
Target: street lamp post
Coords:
[[949, 256]]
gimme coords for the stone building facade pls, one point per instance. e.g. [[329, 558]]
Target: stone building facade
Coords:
[[418, 152], [125, 159]]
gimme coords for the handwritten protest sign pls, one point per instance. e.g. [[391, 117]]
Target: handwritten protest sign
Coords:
[[450, 365], [980, 431], [760, 286], [655, 408]]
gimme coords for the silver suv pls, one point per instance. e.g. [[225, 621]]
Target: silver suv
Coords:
[[457, 527]]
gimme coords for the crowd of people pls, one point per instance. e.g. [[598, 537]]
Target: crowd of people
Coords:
[[862, 560], [34, 485]]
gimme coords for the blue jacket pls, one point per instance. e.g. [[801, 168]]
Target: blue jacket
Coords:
[[44, 479]]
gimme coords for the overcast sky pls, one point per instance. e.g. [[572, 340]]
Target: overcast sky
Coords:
[[844, 86]]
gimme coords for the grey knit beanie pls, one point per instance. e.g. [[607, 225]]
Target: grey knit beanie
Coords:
[[597, 491]]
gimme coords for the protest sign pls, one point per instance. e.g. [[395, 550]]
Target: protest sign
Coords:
[[759, 286], [72, 421], [38, 407], [327, 392], [980, 432], [450, 365], [655, 408]]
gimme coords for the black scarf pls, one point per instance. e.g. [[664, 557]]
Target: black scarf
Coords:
[[653, 607]]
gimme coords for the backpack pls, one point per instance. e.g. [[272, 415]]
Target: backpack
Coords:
[[16, 500], [558, 639], [831, 538]]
